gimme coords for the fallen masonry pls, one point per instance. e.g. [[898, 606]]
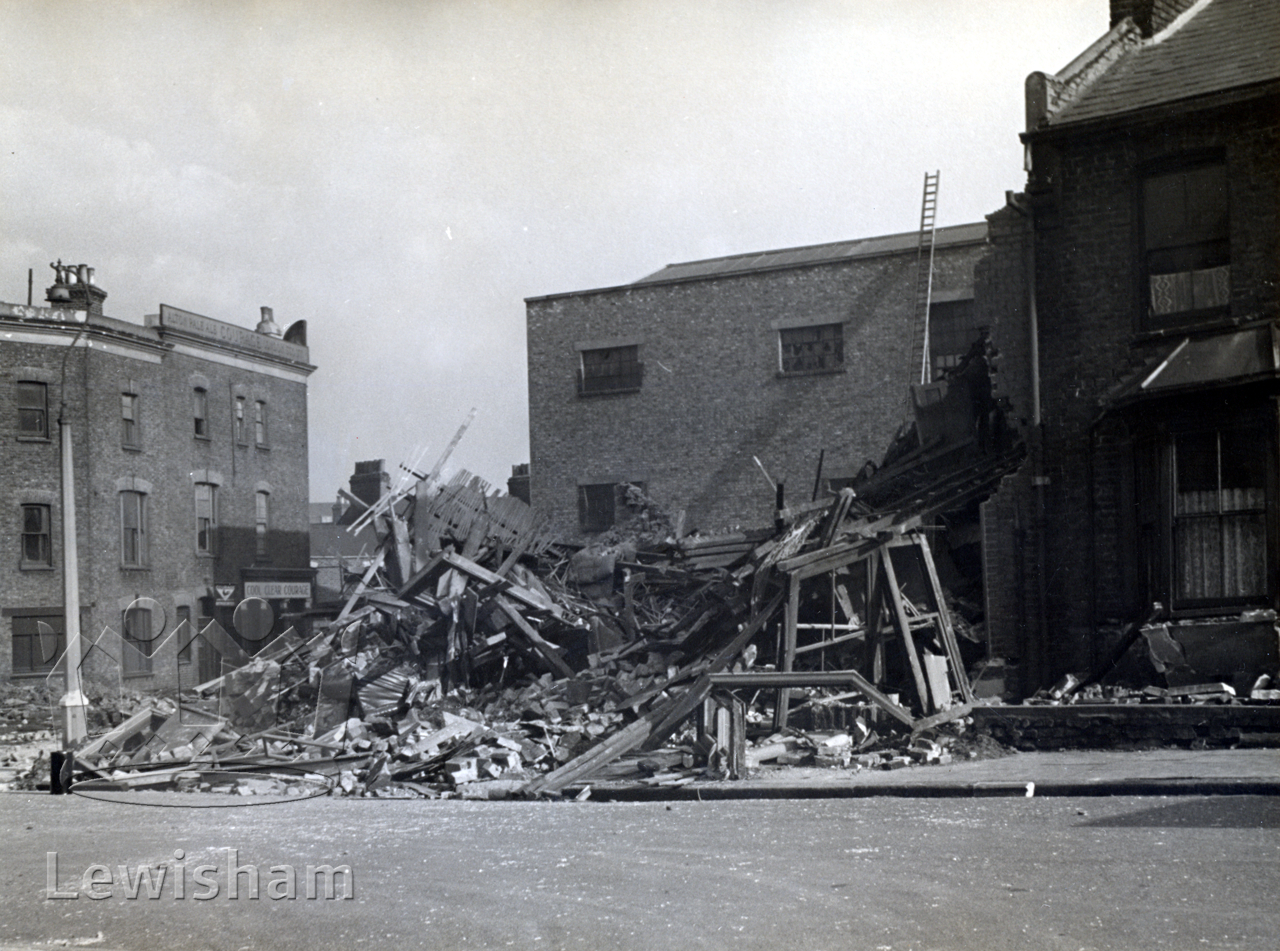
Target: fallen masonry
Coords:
[[478, 657]]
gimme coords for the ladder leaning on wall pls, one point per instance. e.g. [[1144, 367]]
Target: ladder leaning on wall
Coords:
[[924, 277]]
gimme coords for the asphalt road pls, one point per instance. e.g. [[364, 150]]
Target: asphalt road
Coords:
[[876, 874]]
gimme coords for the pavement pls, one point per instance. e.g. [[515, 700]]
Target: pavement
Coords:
[[1154, 772], [1160, 772]]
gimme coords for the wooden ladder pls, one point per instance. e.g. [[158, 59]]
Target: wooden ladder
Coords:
[[924, 274]]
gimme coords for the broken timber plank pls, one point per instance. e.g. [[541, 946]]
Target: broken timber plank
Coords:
[[653, 727], [776, 680], [364, 583], [716, 664], [421, 578], [894, 594], [944, 622], [946, 716], [525, 596], [546, 649]]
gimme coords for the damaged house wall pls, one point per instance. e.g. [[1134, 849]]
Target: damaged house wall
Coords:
[[1152, 195], [784, 356]]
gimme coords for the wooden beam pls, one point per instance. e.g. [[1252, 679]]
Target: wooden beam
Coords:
[[944, 622], [544, 647], [894, 594], [788, 658], [524, 595], [777, 680], [364, 583]]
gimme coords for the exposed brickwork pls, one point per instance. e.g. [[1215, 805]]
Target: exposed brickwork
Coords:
[[166, 463], [1126, 726], [712, 396], [1151, 16], [1086, 194]]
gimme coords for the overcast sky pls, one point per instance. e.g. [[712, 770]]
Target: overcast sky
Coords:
[[403, 174]]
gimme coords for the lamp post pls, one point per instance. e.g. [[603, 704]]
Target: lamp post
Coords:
[[74, 703]]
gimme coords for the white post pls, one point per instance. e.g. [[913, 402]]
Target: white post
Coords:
[[74, 724]]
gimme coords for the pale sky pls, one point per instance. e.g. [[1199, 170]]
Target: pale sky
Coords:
[[403, 174]]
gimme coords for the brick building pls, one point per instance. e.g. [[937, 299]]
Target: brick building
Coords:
[[190, 452], [1132, 291], [681, 380]]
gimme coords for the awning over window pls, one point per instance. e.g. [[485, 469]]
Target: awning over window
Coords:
[[1226, 359]]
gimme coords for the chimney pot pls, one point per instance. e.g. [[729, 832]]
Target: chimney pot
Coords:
[[267, 325]]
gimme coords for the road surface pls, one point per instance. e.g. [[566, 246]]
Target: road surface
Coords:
[[876, 874]]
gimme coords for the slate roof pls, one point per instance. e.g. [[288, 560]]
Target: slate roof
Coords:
[[1224, 45], [815, 254]]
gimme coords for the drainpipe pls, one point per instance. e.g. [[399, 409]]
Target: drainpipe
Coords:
[[1037, 643]]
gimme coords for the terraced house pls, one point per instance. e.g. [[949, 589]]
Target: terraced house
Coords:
[[1133, 292]]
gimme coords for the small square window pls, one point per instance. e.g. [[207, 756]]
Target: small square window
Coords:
[[37, 538], [610, 370], [600, 503], [812, 349], [38, 643], [596, 507], [33, 410], [130, 436]]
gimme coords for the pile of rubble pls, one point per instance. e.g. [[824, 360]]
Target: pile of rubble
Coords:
[[478, 656]]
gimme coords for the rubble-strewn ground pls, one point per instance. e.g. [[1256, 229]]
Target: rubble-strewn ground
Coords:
[[478, 657]]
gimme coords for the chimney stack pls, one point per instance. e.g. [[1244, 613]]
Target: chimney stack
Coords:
[[1150, 16], [370, 481], [73, 287]]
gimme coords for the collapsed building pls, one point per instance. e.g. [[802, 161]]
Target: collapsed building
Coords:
[[1127, 302]]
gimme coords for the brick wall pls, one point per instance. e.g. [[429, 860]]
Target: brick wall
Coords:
[[712, 396], [1089, 290], [166, 462]]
